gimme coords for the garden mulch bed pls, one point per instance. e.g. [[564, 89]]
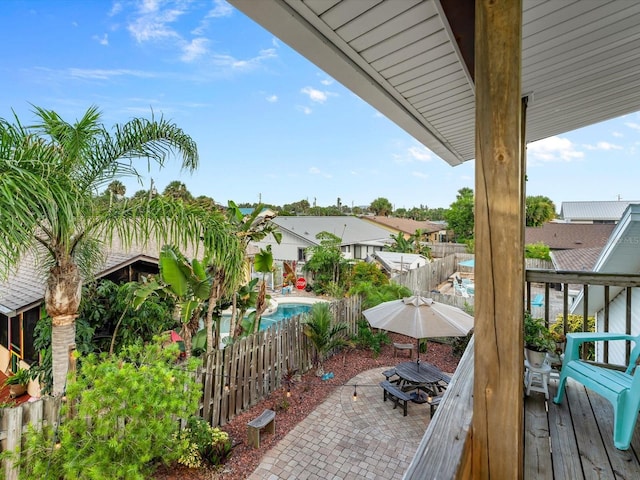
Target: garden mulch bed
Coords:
[[305, 397]]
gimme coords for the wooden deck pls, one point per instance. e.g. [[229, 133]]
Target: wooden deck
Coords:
[[574, 440]]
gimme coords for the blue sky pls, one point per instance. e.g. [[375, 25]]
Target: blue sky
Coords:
[[269, 125]]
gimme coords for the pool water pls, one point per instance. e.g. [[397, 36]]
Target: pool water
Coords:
[[284, 311]]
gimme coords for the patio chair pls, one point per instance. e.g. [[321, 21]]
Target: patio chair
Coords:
[[622, 389]]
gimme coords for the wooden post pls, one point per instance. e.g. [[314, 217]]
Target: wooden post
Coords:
[[497, 435]]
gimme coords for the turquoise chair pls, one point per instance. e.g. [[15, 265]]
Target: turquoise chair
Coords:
[[622, 389]]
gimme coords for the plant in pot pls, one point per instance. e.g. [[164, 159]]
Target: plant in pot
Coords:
[[18, 382], [537, 340]]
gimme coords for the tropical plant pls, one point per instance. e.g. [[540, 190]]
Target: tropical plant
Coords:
[[460, 216], [365, 272], [186, 283], [21, 377], [49, 173], [373, 295], [539, 210], [323, 333], [366, 339], [326, 263], [536, 334], [199, 442], [381, 206], [537, 250]]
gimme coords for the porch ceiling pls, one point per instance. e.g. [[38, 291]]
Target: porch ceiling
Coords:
[[580, 60]]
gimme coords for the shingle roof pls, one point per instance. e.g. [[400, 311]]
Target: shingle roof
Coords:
[[405, 225], [24, 288], [594, 210], [576, 260], [560, 236], [352, 230]]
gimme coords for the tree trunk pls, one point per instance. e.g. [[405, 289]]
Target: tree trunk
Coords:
[[62, 299], [234, 316], [261, 305], [213, 299]]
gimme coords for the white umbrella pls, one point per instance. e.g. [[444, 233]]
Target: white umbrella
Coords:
[[420, 317]]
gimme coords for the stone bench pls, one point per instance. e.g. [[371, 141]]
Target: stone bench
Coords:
[[394, 393], [266, 420], [404, 346]]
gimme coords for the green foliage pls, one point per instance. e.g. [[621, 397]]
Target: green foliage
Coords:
[[21, 377], [121, 416], [373, 295], [537, 250], [326, 263], [381, 206], [575, 323], [539, 210], [200, 442], [459, 217], [322, 332], [365, 339], [536, 335], [364, 272]]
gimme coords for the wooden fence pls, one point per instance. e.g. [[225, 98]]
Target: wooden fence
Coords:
[[233, 379]]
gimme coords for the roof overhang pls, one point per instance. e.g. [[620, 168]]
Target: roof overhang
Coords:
[[411, 60]]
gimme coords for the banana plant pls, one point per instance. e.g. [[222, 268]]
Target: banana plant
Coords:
[[262, 263], [186, 283]]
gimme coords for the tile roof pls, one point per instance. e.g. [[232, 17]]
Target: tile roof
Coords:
[[560, 236]]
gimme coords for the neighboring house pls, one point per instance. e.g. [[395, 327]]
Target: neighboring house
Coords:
[[433, 232], [394, 263], [22, 300], [359, 238], [567, 236], [620, 255], [263, 213], [593, 212]]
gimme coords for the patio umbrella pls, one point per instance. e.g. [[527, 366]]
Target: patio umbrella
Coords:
[[420, 317]]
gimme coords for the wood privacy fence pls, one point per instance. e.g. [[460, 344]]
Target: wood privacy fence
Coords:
[[233, 379]]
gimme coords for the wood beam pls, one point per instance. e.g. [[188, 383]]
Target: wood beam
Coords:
[[497, 444]]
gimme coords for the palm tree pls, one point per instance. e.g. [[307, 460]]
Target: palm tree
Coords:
[[49, 174], [323, 333]]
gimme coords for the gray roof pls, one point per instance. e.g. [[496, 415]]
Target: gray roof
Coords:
[[352, 230], [621, 254], [24, 287], [575, 260], [560, 236], [594, 210], [397, 262]]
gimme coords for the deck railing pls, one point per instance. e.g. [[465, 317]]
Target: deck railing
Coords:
[[444, 449]]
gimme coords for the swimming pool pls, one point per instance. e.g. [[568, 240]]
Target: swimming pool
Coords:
[[284, 311]]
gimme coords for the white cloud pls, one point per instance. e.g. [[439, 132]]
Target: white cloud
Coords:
[[617, 134], [220, 9], [420, 153], [115, 9], [327, 81], [153, 22], [316, 95], [102, 74], [227, 61], [272, 98], [196, 49], [303, 109], [603, 146], [420, 175], [104, 40], [553, 149], [633, 125], [317, 171]]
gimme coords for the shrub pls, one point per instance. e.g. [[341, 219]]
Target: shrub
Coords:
[[575, 324], [200, 442], [121, 416], [366, 339]]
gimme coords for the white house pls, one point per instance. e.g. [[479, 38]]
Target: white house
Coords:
[[359, 239], [621, 254], [395, 263]]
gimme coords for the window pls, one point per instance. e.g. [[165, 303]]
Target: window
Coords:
[[29, 320], [4, 331], [301, 257]]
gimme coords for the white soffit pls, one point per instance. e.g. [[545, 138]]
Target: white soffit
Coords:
[[581, 60]]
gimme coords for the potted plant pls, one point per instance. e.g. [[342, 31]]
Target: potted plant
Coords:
[[18, 382], [537, 340]]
